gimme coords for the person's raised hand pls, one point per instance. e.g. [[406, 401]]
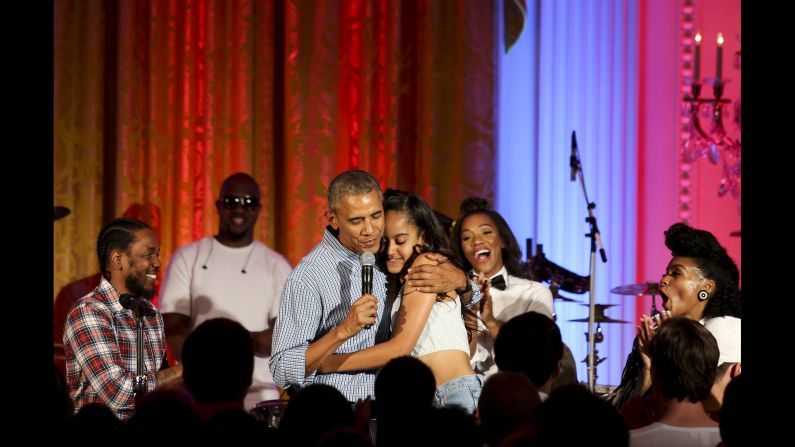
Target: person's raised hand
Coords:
[[486, 303]]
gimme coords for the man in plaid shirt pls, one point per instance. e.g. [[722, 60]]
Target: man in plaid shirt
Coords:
[[100, 335]]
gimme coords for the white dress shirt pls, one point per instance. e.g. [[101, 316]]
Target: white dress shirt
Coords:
[[520, 296]]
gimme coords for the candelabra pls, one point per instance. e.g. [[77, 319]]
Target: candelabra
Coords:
[[714, 143]]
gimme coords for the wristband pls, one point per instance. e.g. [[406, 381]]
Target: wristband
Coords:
[[466, 289]]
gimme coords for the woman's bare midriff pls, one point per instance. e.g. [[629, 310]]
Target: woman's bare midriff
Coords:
[[448, 365]]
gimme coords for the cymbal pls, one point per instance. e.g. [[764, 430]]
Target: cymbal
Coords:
[[60, 212], [600, 308], [646, 288], [600, 319], [599, 314]]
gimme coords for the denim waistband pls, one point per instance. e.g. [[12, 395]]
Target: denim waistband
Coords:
[[462, 381]]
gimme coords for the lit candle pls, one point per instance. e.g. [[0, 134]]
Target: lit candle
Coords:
[[697, 60], [719, 66]]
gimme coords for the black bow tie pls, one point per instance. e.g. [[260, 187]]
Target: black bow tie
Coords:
[[498, 282]]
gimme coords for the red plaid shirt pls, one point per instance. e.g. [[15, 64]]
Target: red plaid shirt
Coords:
[[99, 344]]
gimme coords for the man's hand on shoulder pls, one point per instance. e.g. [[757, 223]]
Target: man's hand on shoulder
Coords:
[[439, 277]]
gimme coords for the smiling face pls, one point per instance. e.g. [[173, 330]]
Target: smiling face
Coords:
[[238, 207], [141, 264], [680, 285], [360, 221], [401, 237], [481, 244]]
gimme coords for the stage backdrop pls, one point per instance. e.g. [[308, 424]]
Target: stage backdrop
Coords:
[[613, 71], [156, 102]]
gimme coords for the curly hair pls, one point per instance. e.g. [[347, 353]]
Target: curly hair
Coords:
[[714, 263], [511, 253]]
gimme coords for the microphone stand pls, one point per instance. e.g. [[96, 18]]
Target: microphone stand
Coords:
[[139, 385], [594, 235], [128, 301]]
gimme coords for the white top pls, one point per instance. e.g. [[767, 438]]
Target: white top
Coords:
[[520, 296], [222, 290], [661, 435], [727, 331], [443, 331]]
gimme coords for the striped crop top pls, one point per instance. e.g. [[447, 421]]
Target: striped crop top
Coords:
[[443, 331]]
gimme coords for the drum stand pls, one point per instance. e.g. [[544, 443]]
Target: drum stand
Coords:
[[598, 337]]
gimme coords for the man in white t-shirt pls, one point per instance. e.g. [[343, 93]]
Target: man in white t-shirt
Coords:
[[228, 275]]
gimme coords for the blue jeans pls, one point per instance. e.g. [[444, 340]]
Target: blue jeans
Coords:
[[462, 392]]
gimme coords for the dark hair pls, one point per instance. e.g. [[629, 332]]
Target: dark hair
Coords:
[[404, 385], [511, 253], [239, 177], [714, 263], [529, 343], [404, 391], [598, 423], [117, 234], [314, 411], [353, 182], [218, 360], [684, 359], [434, 240], [509, 401], [732, 414]]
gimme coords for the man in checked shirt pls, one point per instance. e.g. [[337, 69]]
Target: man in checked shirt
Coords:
[[100, 335]]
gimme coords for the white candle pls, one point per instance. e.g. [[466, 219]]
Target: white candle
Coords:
[[719, 66], [697, 59]]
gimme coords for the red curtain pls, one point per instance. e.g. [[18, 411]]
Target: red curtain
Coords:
[[156, 102]]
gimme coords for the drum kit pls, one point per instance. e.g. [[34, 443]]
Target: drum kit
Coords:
[[539, 268]]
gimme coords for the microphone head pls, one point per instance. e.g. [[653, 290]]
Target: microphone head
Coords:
[[367, 259], [126, 300], [573, 139], [146, 309]]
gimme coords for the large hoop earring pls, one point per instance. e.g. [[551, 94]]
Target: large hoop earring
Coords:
[[703, 295]]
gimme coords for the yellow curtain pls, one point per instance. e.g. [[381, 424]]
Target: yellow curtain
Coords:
[[156, 102]]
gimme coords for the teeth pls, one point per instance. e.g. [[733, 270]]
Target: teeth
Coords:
[[482, 252], [152, 276]]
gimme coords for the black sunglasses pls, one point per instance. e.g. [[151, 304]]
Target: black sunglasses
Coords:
[[232, 202]]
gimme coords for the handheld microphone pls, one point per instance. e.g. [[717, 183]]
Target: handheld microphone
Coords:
[[573, 158], [367, 260]]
